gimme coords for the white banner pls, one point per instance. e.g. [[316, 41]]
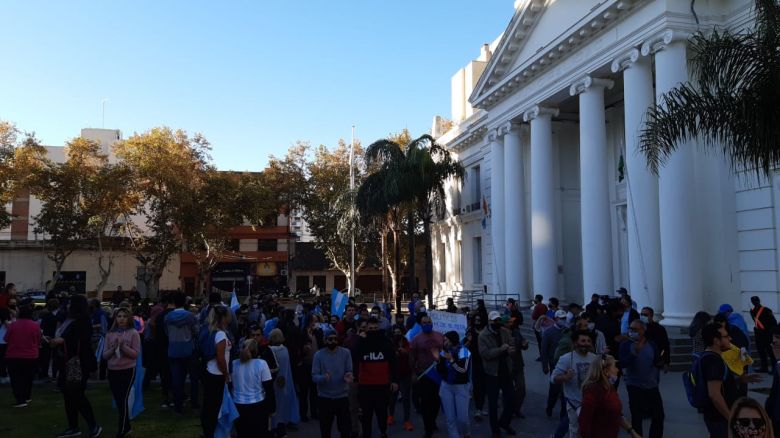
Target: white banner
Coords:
[[444, 322]]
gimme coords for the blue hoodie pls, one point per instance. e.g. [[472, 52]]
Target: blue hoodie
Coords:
[[181, 326]]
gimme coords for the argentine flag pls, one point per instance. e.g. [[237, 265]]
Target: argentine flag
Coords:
[[338, 302], [234, 301], [414, 331], [136, 399], [227, 415]]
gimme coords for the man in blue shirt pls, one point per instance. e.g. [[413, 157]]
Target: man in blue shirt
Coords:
[[638, 358]]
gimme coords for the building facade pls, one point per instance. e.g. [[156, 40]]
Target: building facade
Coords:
[[558, 200]]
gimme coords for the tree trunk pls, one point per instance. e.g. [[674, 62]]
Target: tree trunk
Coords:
[[105, 273], [394, 276], [383, 258], [428, 260], [411, 284]]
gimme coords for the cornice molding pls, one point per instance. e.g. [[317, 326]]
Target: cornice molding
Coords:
[[515, 127], [625, 60], [584, 84], [540, 111], [487, 95]]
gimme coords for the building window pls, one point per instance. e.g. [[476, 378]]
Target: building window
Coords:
[[476, 185], [235, 245], [266, 245], [477, 260], [442, 263]]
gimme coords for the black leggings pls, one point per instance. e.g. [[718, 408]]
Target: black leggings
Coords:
[[213, 391], [22, 372], [121, 383], [252, 421], [76, 402]]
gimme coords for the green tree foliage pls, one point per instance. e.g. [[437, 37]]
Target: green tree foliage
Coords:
[[732, 102], [20, 160], [168, 167], [407, 181]]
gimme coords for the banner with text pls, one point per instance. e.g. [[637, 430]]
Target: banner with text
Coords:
[[444, 322]]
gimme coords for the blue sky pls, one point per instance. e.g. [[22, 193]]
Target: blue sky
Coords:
[[252, 76]]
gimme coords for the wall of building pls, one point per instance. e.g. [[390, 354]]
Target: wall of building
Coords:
[[31, 269]]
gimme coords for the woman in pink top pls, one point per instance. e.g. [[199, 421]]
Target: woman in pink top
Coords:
[[23, 338], [121, 350]]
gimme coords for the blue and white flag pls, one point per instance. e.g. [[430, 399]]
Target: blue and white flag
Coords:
[[386, 310], [227, 415], [338, 302], [136, 399], [234, 302], [414, 331], [270, 325], [99, 350]]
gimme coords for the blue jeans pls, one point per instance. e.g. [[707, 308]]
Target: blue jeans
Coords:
[[455, 404], [180, 367]]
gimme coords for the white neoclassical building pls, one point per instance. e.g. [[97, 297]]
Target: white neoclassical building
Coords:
[[546, 122]]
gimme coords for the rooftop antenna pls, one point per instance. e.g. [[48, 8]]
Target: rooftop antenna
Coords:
[[103, 103]]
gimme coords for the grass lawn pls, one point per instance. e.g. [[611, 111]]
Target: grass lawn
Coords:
[[45, 416]]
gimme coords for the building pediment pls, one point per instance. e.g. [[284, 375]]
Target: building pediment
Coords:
[[540, 34]]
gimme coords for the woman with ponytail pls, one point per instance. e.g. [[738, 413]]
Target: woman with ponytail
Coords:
[[253, 392]]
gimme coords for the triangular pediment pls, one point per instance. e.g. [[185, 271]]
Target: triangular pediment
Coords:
[[534, 26]]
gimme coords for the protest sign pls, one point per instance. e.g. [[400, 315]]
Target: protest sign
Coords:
[[444, 322]]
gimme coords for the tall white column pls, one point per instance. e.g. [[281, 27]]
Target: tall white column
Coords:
[[594, 187], [680, 255], [515, 260], [544, 258], [497, 210], [644, 235]]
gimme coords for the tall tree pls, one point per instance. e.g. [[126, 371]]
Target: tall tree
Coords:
[[110, 196], [225, 200], [408, 182], [61, 187], [328, 206], [169, 166], [732, 102], [21, 160]]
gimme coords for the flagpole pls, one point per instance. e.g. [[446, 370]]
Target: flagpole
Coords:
[[352, 236]]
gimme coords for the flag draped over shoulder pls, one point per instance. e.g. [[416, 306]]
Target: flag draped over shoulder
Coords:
[[99, 350], [227, 415], [338, 302]]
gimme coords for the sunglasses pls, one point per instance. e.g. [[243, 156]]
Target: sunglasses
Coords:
[[758, 423]]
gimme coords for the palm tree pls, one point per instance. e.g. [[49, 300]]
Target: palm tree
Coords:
[[408, 183], [732, 102]]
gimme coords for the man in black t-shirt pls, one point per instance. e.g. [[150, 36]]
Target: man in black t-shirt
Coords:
[[721, 382]]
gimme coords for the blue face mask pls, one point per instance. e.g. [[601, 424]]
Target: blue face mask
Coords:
[[634, 336], [612, 379], [427, 328]]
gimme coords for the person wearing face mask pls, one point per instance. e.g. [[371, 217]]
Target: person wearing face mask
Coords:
[[332, 373], [471, 342], [551, 336], [424, 386], [496, 347], [570, 372], [377, 377], [639, 358], [601, 414], [657, 333], [453, 364], [401, 345]]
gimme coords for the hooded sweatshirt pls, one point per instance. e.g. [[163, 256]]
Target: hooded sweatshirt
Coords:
[[181, 327], [376, 360]]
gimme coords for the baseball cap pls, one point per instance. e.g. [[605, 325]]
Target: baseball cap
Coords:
[[560, 314], [725, 308], [492, 316]]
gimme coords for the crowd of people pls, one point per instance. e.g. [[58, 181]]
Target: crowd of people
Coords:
[[279, 365]]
